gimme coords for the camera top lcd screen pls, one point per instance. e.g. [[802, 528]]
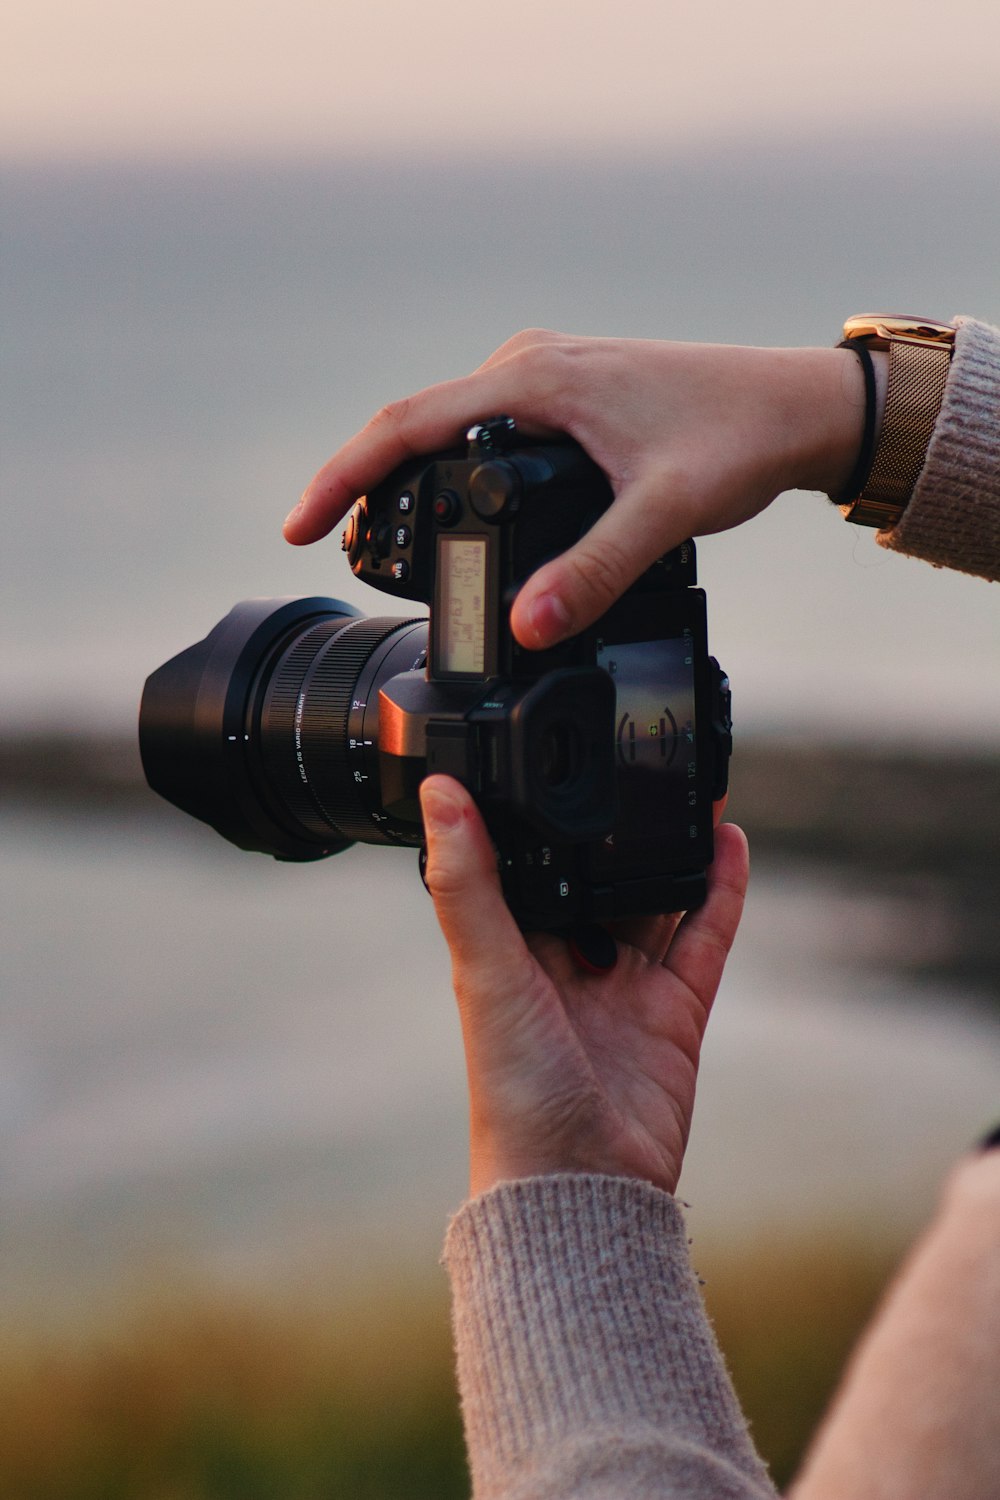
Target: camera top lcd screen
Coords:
[[461, 610]]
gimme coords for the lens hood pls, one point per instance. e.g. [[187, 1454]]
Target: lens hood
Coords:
[[198, 725]]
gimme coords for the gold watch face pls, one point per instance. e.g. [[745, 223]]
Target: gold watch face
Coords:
[[880, 328]]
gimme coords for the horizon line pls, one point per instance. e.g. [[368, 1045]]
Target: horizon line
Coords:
[[934, 139]]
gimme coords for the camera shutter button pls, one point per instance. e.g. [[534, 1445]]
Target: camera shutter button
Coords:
[[495, 490], [353, 537]]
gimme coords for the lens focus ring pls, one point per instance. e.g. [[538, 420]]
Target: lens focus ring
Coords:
[[280, 733]]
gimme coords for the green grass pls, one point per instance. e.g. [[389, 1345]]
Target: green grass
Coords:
[[217, 1399]]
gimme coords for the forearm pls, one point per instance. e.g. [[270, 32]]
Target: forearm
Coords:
[[919, 1412], [586, 1363]]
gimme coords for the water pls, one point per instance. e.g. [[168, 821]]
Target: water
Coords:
[[216, 1066]]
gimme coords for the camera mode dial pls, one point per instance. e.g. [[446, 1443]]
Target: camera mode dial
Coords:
[[492, 436]]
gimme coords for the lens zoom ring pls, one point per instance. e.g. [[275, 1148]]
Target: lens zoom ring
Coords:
[[329, 700]]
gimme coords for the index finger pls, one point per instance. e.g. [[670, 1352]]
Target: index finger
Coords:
[[574, 589], [436, 417]]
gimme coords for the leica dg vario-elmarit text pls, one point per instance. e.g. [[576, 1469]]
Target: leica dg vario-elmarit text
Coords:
[[299, 726]]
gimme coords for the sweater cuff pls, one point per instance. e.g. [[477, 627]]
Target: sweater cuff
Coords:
[[576, 1310], [953, 516]]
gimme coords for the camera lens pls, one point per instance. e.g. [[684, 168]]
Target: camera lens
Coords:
[[268, 729]]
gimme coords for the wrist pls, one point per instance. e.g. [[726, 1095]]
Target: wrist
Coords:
[[589, 1150], [499, 1157], [488, 1167], [918, 356], [830, 404]]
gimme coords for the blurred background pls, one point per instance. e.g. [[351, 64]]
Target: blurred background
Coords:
[[231, 1093]]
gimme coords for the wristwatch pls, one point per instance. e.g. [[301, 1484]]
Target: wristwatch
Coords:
[[919, 355]]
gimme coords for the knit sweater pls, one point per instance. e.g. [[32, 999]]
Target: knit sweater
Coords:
[[587, 1366], [953, 516], [586, 1363]]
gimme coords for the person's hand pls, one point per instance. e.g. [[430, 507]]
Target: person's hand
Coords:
[[694, 438], [571, 1071]]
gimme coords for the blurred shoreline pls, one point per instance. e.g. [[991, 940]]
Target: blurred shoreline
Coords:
[[916, 825]]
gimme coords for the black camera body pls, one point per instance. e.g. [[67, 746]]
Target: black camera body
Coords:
[[298, 727]]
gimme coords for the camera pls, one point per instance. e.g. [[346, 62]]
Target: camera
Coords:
[[300, 726]]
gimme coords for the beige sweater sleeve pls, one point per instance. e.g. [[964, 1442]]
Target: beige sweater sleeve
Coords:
[[588, 1369], [953, 516], [918, 1415], [586, 1363]]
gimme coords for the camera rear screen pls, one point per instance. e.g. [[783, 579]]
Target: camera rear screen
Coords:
[[655, 751], [460, 626]]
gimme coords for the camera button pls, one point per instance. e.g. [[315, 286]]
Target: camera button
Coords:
[[447, 508], [353, 538], [401, 570], [403, 535], [405, 502]]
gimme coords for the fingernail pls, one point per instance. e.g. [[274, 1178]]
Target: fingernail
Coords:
[[548, 619], [295, 511], [440, 811]]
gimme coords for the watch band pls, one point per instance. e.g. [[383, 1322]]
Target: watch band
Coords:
[[919, 357]]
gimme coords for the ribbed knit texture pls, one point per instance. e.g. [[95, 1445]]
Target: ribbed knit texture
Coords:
[[953, 516], [586, 1362]]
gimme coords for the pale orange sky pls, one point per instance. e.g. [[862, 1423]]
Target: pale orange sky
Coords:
[[92, 77]]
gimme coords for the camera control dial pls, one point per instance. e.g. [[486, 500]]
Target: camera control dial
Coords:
[[495, 490]]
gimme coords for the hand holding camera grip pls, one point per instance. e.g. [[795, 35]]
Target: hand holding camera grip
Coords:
[[568, 1070]]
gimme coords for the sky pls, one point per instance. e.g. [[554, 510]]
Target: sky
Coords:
[[93, 78]]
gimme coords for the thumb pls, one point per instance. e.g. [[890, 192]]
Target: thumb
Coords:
[[462, 878], [575, 589]]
